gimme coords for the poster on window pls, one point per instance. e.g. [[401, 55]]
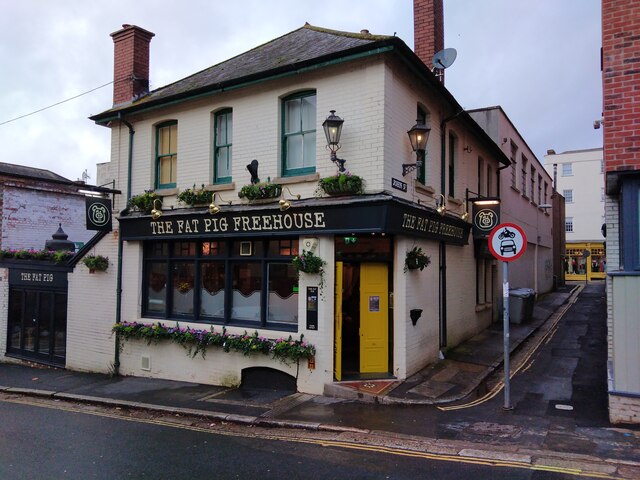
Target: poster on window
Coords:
[[374, 303]]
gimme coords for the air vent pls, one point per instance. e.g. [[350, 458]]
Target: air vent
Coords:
[[145, 363]]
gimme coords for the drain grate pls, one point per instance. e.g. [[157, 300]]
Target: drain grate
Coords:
[[287, 403]]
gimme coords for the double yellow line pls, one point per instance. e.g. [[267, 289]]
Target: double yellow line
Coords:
[[524, 364], [348, 445]]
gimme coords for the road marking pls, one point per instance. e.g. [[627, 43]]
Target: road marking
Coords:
[[343, 444], [524, 364]]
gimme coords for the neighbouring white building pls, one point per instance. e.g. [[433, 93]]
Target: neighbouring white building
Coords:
[[579, 177]]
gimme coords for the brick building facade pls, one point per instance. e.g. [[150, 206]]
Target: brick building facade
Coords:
[[621, 119]]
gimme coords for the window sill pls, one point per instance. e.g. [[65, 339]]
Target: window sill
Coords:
[[166, 192], [220, 187], [311, 177], [481, 307], [455, 201], [515, 189], [525, 197], [426, 189]]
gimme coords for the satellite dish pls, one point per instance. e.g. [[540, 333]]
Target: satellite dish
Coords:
[[444, 58]]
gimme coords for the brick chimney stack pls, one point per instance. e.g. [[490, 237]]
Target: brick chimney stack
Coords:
[[428, 29], [131, 63]]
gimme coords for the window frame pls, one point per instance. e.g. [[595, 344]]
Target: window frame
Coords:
[[568, 225], [227, 256], [159, 157], [291, 172], [567, 193], [567, 169], [421, 172], [451, 166], [630, 223], [227, 114]]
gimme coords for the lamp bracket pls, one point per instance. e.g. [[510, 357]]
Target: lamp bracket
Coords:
[[338, 161], [410, 167]]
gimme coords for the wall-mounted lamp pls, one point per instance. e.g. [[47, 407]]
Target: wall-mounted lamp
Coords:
[[213, 208], [156, 213], [418, 136], [284, 203], [465, 213], [332, 130], [468, 149], [441, 206]]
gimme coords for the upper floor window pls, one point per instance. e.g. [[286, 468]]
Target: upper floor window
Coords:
[[453, 154], [533, 184], [489, 181], [546, 192], [567, 169], [539, 189], [568, 195], [524, 176], [422, 117], [514, 165], [568, 224], [222, 146], [299, 134], [166, 154]]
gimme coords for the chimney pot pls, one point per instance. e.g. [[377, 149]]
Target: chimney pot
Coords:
[[131, 63], [428, 29]]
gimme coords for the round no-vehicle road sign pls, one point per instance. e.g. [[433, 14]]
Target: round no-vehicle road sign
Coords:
[[507, 242]]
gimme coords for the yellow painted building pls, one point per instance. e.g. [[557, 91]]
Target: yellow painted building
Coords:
[[585, 259]]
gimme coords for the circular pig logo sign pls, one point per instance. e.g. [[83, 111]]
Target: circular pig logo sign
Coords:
[[99, 214], [486, 219]]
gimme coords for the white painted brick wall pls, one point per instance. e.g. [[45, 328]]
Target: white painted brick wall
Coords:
[[30, 217], [4, 310]]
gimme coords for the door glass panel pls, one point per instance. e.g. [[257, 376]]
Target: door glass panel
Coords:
[[30, 321], [44, 322], [15, 318], [60, 325]]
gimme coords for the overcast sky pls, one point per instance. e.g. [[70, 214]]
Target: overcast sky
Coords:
[[539, 60]]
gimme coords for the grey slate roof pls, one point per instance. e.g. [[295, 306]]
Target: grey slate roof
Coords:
[[301, 47], [30, 172]]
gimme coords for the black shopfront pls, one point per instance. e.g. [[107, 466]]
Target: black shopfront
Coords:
[[37, 314], [234, 267]]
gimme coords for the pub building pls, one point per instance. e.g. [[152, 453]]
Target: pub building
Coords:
[[279, 113]]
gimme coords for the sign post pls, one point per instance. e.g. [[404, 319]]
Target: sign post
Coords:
[[507, 242]]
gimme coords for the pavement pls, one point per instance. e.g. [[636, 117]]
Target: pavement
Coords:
[[558, 419]]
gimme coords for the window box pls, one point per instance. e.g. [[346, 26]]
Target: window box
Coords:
[[260, 191], [342, 184]]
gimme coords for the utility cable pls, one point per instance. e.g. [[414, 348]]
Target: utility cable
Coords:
[[56, 104]]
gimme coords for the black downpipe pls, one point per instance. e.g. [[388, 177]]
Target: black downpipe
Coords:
[[116, 360], [443, 246]]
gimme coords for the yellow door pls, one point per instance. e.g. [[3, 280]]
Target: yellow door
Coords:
[[337, 348], [374, 318]]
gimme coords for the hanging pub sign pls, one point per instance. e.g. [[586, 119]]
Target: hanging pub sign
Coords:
[[486, 215], [98, 212]]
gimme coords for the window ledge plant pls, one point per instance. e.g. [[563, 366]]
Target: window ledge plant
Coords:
[[260, 190], [342, 184], [416, 259], [143, 202], [42, 255], [195, 196], [197, 341], [307, 262], [96, 263]]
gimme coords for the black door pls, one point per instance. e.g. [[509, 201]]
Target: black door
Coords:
[[37, 325]]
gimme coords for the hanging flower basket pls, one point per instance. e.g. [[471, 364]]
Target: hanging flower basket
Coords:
[[143, 202], [342, 184], [260, 191], [307, 262], [416, 259], [96, 263]]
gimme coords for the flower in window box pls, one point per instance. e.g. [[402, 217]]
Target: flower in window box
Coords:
[[416, 259], [260, 190], [195, 196], [143, 202], [342, 184]]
